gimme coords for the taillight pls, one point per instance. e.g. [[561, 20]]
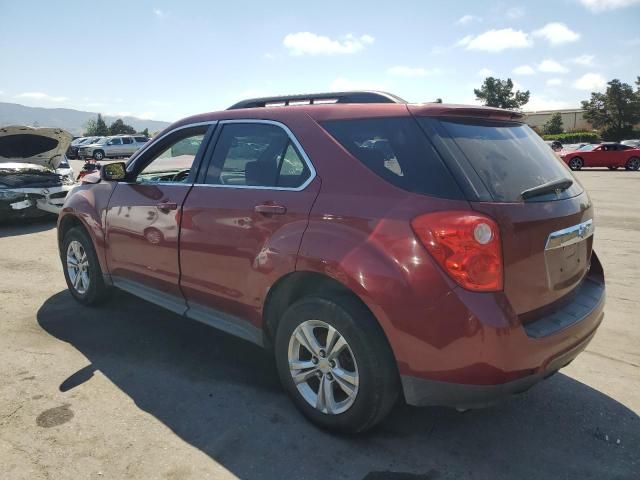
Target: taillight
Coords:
[[466, 245]]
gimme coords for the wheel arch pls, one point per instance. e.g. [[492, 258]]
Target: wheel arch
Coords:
[[295, 285]]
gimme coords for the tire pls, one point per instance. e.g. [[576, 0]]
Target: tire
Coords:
[[633, 164], [87, 285], [98, 155], [364, 365], [576, 163]]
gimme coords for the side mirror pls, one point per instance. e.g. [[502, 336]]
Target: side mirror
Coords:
[[114, 172]]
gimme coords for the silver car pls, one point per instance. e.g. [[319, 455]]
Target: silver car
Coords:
[[113, 147]]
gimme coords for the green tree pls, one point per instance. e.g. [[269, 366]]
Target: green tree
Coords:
[[95, 128], [554, 125], [120, 128], [499, 93], [615, 112], [145, 132]]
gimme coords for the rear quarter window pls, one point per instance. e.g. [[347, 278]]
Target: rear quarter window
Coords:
[[398, 151]]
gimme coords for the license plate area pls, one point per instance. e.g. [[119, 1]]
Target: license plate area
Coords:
[[567, 255]]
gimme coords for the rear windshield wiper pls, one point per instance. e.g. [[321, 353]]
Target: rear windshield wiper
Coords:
[[554, 186]]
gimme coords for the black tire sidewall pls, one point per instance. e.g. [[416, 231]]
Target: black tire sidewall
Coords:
[[99, 155], [628, 165], [579, 161], [376, 367], [97, 287]]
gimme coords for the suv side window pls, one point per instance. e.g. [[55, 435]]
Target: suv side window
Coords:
[[127, 140], [141, 139], [115, 141], [256, 154], [172, 158]]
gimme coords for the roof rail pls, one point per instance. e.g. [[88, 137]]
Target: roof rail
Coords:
[[319, 98]]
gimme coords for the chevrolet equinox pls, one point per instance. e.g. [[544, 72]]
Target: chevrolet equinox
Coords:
[[439, 254]]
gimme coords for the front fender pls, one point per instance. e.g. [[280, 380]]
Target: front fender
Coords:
[[87, 203]]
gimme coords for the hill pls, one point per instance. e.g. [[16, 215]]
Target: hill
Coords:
[[71, 120]]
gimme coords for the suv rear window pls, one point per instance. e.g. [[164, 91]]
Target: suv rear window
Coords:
[[398, 151], [508, 157]]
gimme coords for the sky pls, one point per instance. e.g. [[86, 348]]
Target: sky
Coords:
[[164, 60]]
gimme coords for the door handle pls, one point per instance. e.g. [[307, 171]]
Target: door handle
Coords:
[[167, 206], [270, 209]]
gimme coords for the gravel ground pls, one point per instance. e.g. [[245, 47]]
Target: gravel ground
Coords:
[[132, 391]]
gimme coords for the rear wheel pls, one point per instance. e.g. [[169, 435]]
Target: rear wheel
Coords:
[[335, 363], [81, 268], [98, 155], [576, 163], [633, 163]]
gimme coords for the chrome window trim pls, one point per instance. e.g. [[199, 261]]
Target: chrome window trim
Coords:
[[151, 143], [292, 138], [569, 236]]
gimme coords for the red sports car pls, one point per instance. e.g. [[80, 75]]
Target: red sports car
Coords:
[[610, 155]]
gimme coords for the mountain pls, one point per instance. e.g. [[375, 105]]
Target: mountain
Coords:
[[71, 120]]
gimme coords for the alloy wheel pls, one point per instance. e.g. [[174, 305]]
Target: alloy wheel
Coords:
[[323, 367], [78, 267]]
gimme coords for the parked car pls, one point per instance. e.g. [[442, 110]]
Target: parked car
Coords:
[[30, 184], [65, 170], [72, 151], [382, 250], [610, 155], [631, 143], [113, 147]]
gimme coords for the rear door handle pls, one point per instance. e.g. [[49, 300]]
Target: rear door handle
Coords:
[[270, 209], [167, 206]]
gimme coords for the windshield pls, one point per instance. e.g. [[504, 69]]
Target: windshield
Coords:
[[509, 158], [587, 148]]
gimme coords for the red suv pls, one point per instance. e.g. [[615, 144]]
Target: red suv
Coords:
[[434, 252]]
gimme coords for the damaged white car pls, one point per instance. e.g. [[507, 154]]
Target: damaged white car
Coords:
[[30, 186]]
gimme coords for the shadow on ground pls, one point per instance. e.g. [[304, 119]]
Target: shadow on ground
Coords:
[[26, 226], [222, 396]]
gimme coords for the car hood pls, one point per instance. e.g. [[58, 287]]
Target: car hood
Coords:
[[39, 146]]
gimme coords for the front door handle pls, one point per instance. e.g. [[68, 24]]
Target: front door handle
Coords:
[[270, 209], [167, 206]]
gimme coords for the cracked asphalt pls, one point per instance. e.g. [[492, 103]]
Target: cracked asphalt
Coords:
[[131, 391]]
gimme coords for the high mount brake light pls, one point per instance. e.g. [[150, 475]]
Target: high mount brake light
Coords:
[[466, 245]]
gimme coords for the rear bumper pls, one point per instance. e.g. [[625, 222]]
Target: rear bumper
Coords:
[[497, 355], [422, 392]]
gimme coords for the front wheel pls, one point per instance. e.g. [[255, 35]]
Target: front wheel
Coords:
[[98, 155], [82, 270], [633, 163], [576, 163], [336, 364]]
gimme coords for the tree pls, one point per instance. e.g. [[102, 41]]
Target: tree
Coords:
[[96, 128], [554, 125], [145, 132], [499, 93], [614, 112], [120, 128]]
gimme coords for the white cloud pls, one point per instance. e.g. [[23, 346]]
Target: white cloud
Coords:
[[160, 13], [307, 43], [584, 60], [467, 20], [554, 82], [146, 115], [515, 12], [524, 70], [485, 72], [41, 96], [597, 6], [346, 84], [404, 71], [159, 103], [551, 66], [592, 82], [538, 103], [556, 33], [496, 40]]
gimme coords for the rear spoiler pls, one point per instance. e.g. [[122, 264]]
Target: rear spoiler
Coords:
[[443, 110]]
